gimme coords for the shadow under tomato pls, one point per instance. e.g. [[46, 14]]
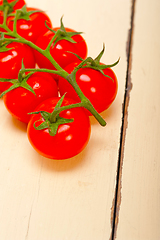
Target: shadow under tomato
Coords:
[[60, 165], [19, 125]]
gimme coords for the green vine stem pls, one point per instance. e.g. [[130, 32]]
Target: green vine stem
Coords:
[[15, 37], [84, 100]]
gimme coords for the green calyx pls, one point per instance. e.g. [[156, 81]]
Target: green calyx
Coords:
[[9, 5], [20, 82], [23, 13], [94, 63], [3, 46], [4, 43], [61, 33], [16, 83], [47, 124], [51, 120]]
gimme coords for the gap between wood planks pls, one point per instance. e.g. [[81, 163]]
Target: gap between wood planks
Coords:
[[128, 87]]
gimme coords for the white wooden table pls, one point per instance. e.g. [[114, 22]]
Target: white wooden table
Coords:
[[112, 189]]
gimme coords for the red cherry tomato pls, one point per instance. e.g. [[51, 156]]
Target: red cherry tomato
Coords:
[[70, 139], [99, 89], [18, 5], [61, 50], [11, 61], [21, 101], [33, 28]]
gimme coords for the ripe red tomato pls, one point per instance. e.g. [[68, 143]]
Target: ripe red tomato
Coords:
[[70, 139], [18, 5], [11, 61], [21, 101], [99, 89], [33, 28], [61, 50]]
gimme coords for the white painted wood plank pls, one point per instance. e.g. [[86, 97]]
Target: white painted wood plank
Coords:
[[67, 200], [139, 215]]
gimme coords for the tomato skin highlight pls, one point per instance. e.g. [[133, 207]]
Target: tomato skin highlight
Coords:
[[71, 138], [60, 52], [11, 62], [33, 28], [20, 101], [99, 89]]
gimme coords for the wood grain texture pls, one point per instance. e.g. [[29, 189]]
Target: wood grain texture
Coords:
[[67, 200], [139, 216]]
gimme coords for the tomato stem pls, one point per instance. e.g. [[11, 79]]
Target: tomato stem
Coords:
[[84, 100], [5, 14], [15, 21], [50, 43], [57, 111]]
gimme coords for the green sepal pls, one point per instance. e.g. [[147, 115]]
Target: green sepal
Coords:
[[59, 103], [56, 120], [55, 112], [10, 5], [24, 14], [3, 48], [22, 66], [17, 83], [42, 126], [61, 33], [59, 121], [8, 80], [44, 114], [52, 126], [81, 59], [98, 58], [47, 124], [24, 77], [100, 67], [3, 43], [94, 63], [25, 85]]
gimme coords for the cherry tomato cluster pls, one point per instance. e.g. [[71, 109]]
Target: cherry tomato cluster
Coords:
[[48, 82]]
